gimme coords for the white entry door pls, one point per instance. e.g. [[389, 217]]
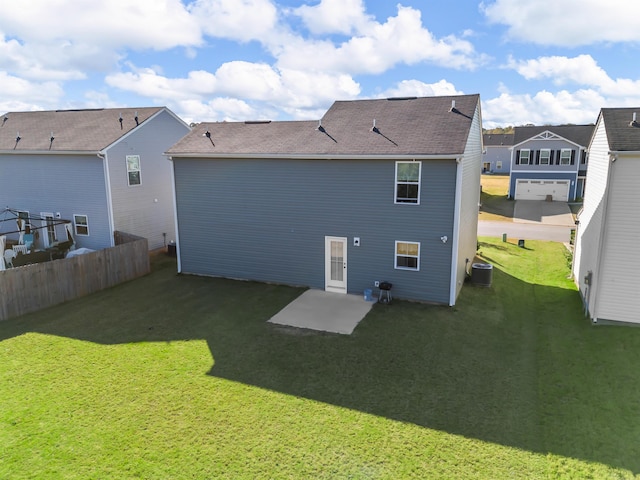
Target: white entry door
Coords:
[[335, 264]]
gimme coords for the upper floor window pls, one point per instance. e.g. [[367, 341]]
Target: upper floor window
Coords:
[[565, 156], [408, 182], [133, 169], [525, 157], [545, 156]]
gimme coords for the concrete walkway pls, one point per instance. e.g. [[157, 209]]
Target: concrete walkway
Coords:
[[544, 213], [324, 311]]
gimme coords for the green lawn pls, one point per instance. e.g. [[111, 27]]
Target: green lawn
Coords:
[[181, 377], [495, 204]]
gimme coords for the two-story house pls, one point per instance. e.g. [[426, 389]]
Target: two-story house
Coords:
[[549, 162], [377, 190], [497, 153], [101, 169]]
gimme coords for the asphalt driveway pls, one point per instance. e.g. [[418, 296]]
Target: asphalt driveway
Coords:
[[543, 213]]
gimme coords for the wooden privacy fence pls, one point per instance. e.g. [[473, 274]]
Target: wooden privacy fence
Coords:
[[33, 287]]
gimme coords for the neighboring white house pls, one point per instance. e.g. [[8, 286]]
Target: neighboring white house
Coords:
[[606, 262]]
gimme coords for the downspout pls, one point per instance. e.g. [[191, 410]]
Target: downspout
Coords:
[[175, 213], [593, 289], [107, 177], [456, 234]]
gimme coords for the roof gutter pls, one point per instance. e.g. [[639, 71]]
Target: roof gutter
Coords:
[[51, 152], [315, 156]]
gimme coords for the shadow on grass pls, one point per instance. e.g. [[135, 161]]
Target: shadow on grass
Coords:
[[497, 205], [514, 364]]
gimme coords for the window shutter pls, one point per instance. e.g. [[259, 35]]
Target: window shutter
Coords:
[[537, 157], [551, 155], [573, 157], [558, 157], [517, 157]]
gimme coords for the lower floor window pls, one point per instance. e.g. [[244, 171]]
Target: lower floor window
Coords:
[[408, 255], [82, 224]]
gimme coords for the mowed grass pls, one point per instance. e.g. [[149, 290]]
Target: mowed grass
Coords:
[[176, 376], [495, 204]]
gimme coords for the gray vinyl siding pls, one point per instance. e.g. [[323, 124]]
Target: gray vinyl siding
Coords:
[[72, 184], [266, 220], [468, 234], [497, 154], [590, 226], [147, 209], [617, 293]]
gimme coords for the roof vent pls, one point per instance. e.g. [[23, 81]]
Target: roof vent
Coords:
[[51, 139], [4, 120], [320, 128], [633, 122], [208, 135], [453, 106], [120, 120], [136, 119], [256, 122]]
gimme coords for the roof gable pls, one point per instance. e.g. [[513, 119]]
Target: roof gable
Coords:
[[578, 134], [88, 130], [623, 134], [408, 126]]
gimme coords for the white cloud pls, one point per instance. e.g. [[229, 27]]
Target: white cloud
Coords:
[[566, 22], [335, 16], [377, 48], [241, 20], [142, 24], [264, 88], [582, 70], [18, 94], [416, 88], [543, 108]]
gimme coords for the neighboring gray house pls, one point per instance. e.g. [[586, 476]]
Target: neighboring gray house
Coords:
[[549, 161], [605, 264], [103, 169], [497, 153], [377, 190]]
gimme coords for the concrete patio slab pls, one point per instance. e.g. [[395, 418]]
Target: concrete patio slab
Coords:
[[542, 212], [324, 311]]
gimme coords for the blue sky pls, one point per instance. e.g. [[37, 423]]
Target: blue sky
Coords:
[[541, 62]]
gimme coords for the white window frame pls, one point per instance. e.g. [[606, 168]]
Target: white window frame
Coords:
[[521, 158], [498, 164], [49, 233], [129, 160], [563, 158], [545, 152], [85, 225], [397, 183], [396, 255], [27, 218]]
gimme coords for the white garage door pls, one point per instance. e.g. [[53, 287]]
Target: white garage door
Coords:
[[539, 189]]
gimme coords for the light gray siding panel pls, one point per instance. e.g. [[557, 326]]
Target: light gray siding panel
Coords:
[[498, 154], [147, 209], [588, 234], [55, 183], [617, 294], [470, 199], [267, 220]]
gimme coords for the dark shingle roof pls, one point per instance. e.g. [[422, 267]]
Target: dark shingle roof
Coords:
[[622, 134], [410, 126], [73, 130], [497, 139], [580, 134]]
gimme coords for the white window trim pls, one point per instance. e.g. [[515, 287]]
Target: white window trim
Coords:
[[139, 170], [395, 183], [548, 152], [27, 220], [499, 164], [528, 156], [45, 216], [395, 256], [75, 224], [568, 159]]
